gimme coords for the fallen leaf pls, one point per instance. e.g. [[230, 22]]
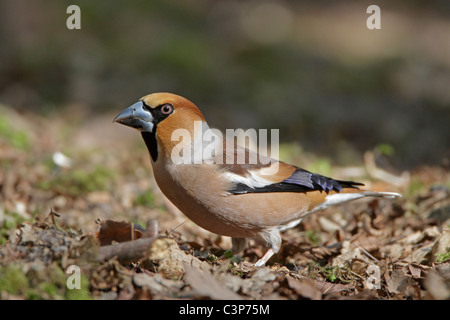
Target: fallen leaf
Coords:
[[415, 270], [155, 286], [261, 283], [437, 287], [170, 258], [397, 281], [328, 288], [305, 288], [114, 231], [206, 285]]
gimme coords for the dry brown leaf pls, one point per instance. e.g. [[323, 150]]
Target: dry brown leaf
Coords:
[[397, 281], [170, 258], [328, 288], [415, 271], [155, 286], [206, 285], [443, 269], [437, 287], [114, 231], [306, 288]]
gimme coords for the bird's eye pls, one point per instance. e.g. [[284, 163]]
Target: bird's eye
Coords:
[[166, 109]]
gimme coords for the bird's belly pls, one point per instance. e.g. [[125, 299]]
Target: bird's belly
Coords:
[[239, 215], [212, 216], [204, 199]]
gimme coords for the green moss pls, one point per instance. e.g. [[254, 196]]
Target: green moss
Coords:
[[290, 152], [330, 273], [235, 271], [321, 166], [79, 181], [415, 186], [212, 258], [16, 138], [79, 294], [13, 280], [11, 221], [49, 283], [146, 199], [385, 149], [336, 274], [228, 254], [442, 257], [312, 236]]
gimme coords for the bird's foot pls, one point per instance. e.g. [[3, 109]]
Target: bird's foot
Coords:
[[261, 262]]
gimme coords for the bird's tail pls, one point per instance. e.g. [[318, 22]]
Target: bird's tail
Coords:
[[342, 197], [390, 195]]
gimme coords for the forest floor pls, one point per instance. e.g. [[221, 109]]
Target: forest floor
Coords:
[[78, 198]]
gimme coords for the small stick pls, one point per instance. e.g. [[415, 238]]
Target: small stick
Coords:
[[131, 250], [126, 251], [366, 252], [52, 216]]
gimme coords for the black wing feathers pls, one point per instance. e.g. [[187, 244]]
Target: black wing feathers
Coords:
[[300, 181]]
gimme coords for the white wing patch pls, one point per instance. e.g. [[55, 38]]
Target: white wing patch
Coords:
[[252, 180], [255, 178]]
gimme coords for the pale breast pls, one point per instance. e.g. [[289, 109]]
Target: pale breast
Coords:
[[201, 195]]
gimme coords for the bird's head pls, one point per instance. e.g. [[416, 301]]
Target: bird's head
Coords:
[[157, 115]]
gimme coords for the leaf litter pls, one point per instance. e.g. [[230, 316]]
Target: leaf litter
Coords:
[[104, 213]]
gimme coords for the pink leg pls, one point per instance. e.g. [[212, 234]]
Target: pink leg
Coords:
[[261, 262]]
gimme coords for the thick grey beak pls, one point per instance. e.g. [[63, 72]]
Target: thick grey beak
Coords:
[[136, 117]]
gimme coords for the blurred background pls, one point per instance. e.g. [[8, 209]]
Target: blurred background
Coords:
[[311, 69]]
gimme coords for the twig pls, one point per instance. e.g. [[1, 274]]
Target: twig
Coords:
[[151, 230], [131, 250], [355, 274], [179, 225], [126, 251], [52, 216], [296, 268], [366, 252]]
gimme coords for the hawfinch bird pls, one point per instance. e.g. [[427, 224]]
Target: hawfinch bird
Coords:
[[214, 183]]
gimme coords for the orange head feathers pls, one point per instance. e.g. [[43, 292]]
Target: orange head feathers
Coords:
[[157, 115]]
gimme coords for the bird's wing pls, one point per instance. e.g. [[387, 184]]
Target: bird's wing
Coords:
[[277, 176], [300, 181]]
